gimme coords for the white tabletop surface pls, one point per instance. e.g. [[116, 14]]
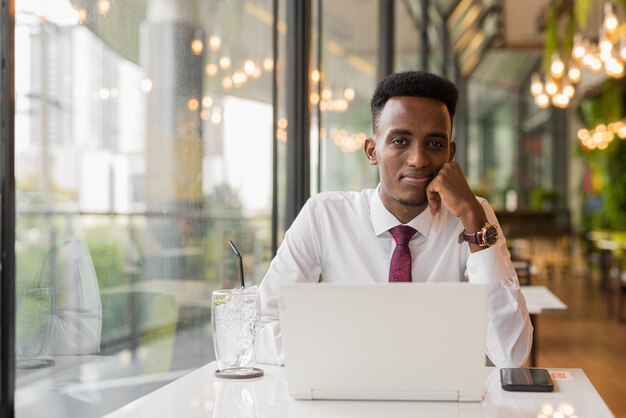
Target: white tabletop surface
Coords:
[[540, 299], [200, 394]]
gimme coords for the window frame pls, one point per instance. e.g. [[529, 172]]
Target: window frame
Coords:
[[7, 202]]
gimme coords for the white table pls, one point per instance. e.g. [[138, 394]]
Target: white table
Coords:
[[539, 299], [200, 394]]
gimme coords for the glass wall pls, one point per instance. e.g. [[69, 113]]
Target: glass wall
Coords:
[[493, 136], [347, 80], [543, 157], [143, 143], [435, 58], [407, 35]]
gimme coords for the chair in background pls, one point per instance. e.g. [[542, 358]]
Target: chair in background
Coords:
[[523, 268]]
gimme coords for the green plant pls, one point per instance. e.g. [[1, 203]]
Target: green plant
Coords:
[[542, 198], [605, 205]]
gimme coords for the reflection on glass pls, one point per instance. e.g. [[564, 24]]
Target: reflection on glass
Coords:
[[154, 119], [34, 308], [59, 311]]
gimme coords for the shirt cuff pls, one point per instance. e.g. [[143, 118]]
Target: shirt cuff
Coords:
[[489, 266]]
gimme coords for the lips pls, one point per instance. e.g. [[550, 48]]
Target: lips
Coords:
[[417, 179]]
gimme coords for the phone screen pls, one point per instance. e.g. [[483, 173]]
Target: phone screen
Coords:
[[523, 379]]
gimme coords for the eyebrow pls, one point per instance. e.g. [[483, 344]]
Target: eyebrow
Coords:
[[399, 131], [402, 131]]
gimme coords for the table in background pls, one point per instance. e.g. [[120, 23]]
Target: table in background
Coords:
[[539, 299], [200, 394]]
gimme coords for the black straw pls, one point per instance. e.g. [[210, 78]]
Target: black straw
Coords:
[[243, 284]]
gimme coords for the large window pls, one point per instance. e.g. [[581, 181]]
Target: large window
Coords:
[[347, 80], [492, 150], [143, 142], [407, 35]]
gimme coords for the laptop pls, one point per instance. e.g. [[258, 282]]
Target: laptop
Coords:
[[401, 341]]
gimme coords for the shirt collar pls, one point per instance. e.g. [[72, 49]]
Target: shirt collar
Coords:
[[383, 220]]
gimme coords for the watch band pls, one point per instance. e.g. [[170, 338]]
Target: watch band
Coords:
[[485, 237], [475, 238]]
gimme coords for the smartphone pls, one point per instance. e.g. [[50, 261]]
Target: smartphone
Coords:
[[526, 380]]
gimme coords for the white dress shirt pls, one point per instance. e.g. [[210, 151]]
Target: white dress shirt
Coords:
[[344, 237]]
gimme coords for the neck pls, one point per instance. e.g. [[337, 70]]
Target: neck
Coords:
[[405, 213]]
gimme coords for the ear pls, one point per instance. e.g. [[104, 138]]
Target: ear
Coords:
[[370, 151], [452, 150]]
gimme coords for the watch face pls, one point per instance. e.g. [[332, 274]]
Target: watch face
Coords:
[[491, 235]]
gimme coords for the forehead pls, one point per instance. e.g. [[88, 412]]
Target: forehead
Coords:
[[411, 110]]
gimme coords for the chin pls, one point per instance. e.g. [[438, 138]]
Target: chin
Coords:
[[412, 202]]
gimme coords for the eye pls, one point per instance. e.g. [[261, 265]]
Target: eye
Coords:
[[438, 143], [400, 141]]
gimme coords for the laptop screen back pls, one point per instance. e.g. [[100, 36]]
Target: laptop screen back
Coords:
[[406, 341]]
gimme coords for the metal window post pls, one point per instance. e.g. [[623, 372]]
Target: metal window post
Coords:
[[425, 48], [298, 110], [386, 38], [7, 199]]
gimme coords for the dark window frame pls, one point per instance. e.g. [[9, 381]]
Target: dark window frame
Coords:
[[7, 202]]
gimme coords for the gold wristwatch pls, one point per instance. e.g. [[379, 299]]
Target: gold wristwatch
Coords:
[[486, 237]]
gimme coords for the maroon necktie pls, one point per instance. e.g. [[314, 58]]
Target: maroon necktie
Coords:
[[400, 267]]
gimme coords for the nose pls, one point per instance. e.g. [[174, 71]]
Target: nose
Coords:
[[417, 155]]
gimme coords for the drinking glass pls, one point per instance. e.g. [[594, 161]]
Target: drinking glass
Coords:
[[235, 317]]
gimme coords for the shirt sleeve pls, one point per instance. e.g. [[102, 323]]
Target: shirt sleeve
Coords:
[[298, 259], [509, 331]]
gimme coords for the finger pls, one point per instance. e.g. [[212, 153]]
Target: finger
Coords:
[[434, 202]]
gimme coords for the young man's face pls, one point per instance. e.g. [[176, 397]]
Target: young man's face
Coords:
[[411, 143]]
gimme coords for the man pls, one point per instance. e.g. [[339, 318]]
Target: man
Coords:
[[422, 223]]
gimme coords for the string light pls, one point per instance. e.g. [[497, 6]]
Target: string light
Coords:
[[349, 94], [574, 73], [268, 64], [82, 15], [224, 62], [542, 100], [239, 77], [103, 7], [610, 20], [214, 43], [536, 86], [315, 76], [197, 46], [602, 135], [211, 69], [227, 83], [193, 104], [249, 67], [557, 68], [607, 54]]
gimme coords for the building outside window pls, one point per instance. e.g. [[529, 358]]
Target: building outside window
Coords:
[[134, 167]]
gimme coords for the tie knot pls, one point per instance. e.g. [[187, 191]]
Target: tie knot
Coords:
[[402, 234]]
